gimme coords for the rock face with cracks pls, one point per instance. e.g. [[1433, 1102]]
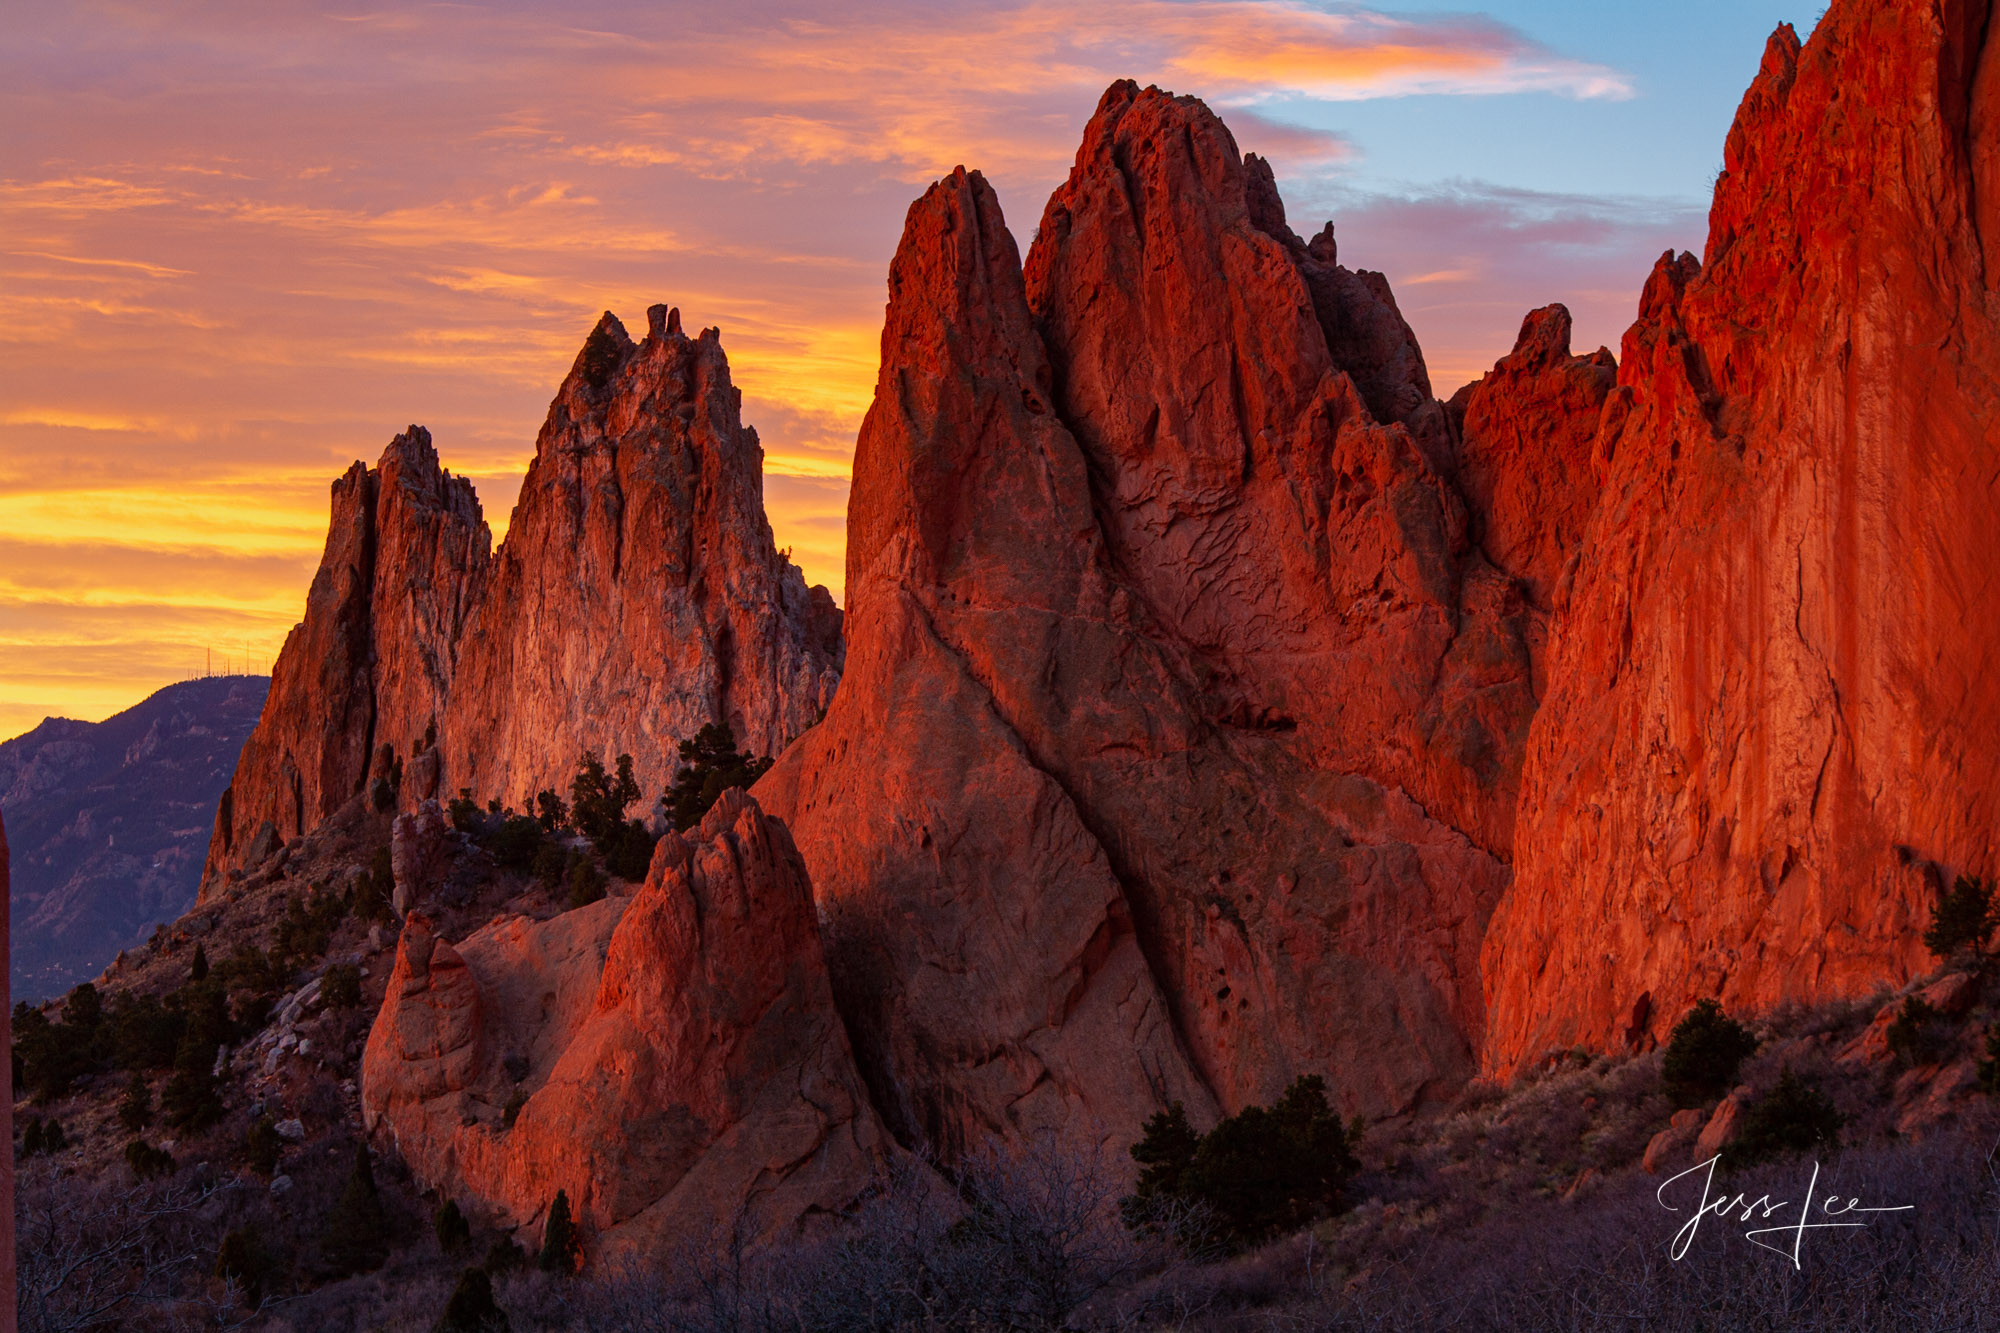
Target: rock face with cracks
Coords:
[[638, 597], [1176, 752], [673, 1060], [1771, 711]]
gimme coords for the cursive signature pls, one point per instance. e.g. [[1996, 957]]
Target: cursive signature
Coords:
[[1763, 1209]]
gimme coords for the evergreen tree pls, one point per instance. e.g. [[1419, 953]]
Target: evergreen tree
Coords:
[[242, 1259], [562, 1248], [472, 1308], [710, 766], [1705, 1051], [1962, 919], [135, 1112], [262, 1146], [1258, 1173], [190, 1101], [453, 1231], [1795, 1116], [1165, 1152], [355, 1239], [198, 969]]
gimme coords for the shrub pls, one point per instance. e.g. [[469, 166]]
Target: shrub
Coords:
[[1920, 1035], [562, 1248], [466, 816], [242, 1260], [147, 1161], [341, 987], [135, 1109], [586, 885], [1962, 918], [1258, 1173], [471, 1308], [551, 863], [516, 843], [355, 1239], [1705, 1051], [710, 766], [1795, 1116], [453, 1231]]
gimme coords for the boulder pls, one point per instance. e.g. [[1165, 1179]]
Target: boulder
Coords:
[[1681, 1132], [1723, 1126]]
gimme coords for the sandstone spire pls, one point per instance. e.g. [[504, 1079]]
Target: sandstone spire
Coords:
[[638, 597], [407, 559]]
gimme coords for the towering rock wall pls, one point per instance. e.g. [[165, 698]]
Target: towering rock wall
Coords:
[[1772, 709], [1177, 747], [638, 597]]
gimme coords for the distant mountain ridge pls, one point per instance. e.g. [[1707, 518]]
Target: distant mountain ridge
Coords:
[[109, 822]]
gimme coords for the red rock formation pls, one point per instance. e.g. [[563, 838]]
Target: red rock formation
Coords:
[[671, 1059], [406, 561], [1771, 694], [1524, 452], [1176, 751], [638, 597]]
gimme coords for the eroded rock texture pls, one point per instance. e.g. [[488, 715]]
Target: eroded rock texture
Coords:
[[407, 560], [638, 597], [1177, 750], [674, 1060], [1772, 697]]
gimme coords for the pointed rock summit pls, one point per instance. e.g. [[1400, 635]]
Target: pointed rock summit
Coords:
[[638, 597], [1176, 751]]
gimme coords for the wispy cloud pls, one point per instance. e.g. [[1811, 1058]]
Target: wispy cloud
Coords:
[[246, 244]]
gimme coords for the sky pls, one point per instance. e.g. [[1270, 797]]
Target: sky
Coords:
[[244, 244]]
